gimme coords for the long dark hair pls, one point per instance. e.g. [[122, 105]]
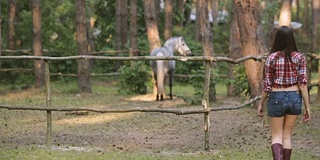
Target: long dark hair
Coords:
[[284, 41]]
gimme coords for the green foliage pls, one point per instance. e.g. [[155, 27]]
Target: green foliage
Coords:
[[271, 8], [241, 82], [221, 39], [58, 26], [17, 80], [134, 79], [197, 81]]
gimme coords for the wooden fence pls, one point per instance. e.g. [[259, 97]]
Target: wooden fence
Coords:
[[205, 102]]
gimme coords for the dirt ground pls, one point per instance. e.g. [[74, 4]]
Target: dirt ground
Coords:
[[164, 133]]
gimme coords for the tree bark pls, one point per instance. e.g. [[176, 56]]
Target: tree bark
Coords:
[[234, 50], [187, 12], [150, 15], [0, 33], [122, 27], [285, 13], [91, 37], [120, 23], [36, 44], [306, 16], [204, 27], [298, 10], [315, 35], [133, 27], [151, 24], [90, 29], [316, 25], [180, 4], [168, 19], [214, 11], [252, 41], [82, 46], [197, 32], [124, 23], [11, 17], [206, 38]]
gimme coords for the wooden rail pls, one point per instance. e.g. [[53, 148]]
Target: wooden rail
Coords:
[[205, 103]]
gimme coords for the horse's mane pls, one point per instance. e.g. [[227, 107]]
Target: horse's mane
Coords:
[[170, 40]]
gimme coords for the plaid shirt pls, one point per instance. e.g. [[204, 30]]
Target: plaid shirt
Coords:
[[279, 73]]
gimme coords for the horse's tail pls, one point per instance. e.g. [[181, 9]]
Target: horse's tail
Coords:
[[160, 76]]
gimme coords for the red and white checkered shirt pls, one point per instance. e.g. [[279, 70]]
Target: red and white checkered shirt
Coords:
[[281, 73]]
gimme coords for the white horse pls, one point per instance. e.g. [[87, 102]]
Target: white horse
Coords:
[[165, 68]]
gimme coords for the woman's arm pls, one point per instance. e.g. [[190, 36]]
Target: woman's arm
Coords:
[[305, 96], [264, 96]]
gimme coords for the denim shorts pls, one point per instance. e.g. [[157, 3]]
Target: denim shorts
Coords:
[[284, 102]]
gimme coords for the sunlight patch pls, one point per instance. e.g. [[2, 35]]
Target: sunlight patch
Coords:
[[146, 97], [93, 119], [72, 148]]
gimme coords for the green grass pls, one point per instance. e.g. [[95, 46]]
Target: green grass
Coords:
[[36, 153]]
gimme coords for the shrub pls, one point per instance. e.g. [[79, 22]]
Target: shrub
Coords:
[[134, 78]]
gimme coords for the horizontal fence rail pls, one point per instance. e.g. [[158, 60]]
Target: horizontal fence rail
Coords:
[[138, 109], [205, 103], [137, 58]]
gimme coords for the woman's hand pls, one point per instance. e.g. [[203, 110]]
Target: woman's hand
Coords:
[[306, 115], [260, 110]]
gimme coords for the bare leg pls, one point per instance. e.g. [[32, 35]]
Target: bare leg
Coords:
[[289, 122], [276, 124]]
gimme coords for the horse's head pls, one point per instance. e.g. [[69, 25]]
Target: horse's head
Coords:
[[182, 47]]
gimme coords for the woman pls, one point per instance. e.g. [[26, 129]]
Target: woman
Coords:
[[285, 82]]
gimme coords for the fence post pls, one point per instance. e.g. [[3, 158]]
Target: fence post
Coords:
[[48, 104], [205, 103], [131, 55]]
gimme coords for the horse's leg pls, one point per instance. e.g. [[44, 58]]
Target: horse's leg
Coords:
[[170, 84], [155, 88]]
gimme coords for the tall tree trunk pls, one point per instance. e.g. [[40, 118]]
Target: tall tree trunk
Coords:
[[315, 35], [197, 32], [316, 23], [206, 38], [82, 45], [151, 18], [0, 33], [306, 16], [298, 10], [271, 31], [168, 19], [133, 27], [180, 4], [36, 44], [285, 13], [187, 12], [252, 41], [121, 18], [122, 27], [152, 24], [90, 28], [91, 44], [214, 11], [234, 50], [157, 7], [11, 17], [124, 23]]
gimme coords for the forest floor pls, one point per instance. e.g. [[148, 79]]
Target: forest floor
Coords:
[[163, 133]]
